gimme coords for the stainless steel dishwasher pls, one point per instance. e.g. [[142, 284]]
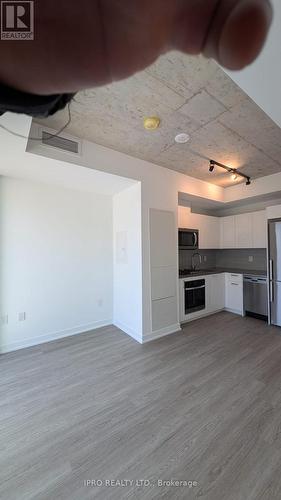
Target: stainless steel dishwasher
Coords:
[[255, 296]]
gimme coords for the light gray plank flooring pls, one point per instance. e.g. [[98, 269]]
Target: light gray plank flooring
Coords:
[[203, 405]]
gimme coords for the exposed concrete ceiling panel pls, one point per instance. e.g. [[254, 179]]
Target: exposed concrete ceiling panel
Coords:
[[202, 108], [191, 95], [254, 126]]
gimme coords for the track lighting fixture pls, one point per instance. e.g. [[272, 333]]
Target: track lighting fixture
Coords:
[[235, 173]]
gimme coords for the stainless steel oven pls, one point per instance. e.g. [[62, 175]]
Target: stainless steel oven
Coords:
[[194, 296], [188, 239]]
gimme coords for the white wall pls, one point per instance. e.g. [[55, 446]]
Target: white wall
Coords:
[[127, 274], [262, 186], [160, 188], [56, 261], [273, 212], [261, 80]]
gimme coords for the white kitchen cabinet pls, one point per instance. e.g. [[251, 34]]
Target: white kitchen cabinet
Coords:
[[162, 239], [163, 268], [184, 217], [163, 284], [234, 293], [223, 291], [209, 227], [215, 292], [259, 224], [209, 233], [243, 231], [238, 231], [228, 239]]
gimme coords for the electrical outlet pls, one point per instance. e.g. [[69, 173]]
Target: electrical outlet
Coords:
[[22, 316], [251, 258], [100, 302], [4, 319]]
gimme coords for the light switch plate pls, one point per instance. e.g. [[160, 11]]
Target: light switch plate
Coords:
[[4, 319], [22, 316], [251, 258]]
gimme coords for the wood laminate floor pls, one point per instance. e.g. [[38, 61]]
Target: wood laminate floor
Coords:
[[203, 405]]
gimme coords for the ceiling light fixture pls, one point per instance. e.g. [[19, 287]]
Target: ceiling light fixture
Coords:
[[182, 138], [212, 166], [235, 173], [151, 123]]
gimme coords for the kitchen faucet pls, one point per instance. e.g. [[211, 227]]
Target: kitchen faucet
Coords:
[[193, 265]]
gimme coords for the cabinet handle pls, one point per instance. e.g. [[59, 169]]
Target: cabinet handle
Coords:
[[235, 284], [195, 239]]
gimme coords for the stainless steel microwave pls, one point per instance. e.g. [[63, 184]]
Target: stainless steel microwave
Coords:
[[188, 239]]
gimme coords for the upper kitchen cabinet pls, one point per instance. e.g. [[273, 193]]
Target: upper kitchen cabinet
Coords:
[[259, 224], [227, 225], [236, 231], [184, 214], [209, 232], [243, 231], [209, 227]]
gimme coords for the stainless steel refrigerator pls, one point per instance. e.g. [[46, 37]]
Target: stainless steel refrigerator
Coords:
[[274, 266]]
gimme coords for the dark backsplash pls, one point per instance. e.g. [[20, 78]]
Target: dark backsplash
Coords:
[[185, 257], [237, 259]]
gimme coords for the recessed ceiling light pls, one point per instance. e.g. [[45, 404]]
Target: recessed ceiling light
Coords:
[[151, 123], [182, 138]]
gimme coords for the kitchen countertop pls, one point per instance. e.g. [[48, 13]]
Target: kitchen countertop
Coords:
[[219, 270]]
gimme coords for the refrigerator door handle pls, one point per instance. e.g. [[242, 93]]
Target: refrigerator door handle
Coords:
[[271, 298], [271, 269]]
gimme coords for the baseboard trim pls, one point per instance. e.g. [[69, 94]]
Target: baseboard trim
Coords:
[[204, 315], [129, 331], [42, 339], [234, 311], [164, 332]]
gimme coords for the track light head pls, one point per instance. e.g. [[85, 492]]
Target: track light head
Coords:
[[212, 166]]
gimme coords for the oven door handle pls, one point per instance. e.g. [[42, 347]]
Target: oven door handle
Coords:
[[195, 288]]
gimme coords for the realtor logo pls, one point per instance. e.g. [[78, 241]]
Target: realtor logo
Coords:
[[17, 20]]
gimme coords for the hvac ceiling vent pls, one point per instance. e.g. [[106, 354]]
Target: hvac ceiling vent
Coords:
[[58, 142]]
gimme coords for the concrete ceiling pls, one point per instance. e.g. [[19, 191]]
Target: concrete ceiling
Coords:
[[190, 95]]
